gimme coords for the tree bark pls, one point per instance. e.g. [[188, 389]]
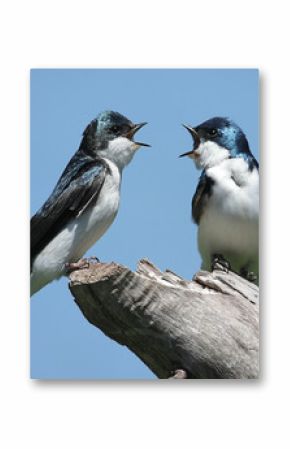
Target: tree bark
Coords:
[[207, 328]]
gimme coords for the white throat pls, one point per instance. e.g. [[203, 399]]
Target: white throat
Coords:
[[120, 151], [209, 154]]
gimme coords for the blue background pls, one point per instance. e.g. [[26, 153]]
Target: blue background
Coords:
[[154, 217]]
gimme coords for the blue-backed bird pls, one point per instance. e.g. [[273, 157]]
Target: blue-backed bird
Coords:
[[85, 200], [225, 205]]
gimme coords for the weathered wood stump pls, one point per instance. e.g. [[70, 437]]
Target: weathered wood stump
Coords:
[[207, 328]]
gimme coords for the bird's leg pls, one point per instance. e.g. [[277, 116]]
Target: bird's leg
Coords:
[[249, 275], [80, 264], [218, 262]]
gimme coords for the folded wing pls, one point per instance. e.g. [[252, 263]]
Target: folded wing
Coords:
[[75, 191]]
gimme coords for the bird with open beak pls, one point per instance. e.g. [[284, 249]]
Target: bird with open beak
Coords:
[[85, 200], [225, 205]]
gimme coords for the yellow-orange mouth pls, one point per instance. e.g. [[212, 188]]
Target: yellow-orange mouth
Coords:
[[130, 134], [194, 134]]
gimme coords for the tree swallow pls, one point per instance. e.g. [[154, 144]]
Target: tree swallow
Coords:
[[225, 205], [85, 200]]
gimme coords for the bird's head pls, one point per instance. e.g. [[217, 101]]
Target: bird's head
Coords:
[[216, 139], [111, 136]]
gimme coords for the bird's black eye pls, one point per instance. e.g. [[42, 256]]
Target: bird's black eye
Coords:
[[212, 132], [115, 129]]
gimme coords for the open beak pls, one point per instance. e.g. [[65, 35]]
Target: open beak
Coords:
[[133, 131], [196, 140]]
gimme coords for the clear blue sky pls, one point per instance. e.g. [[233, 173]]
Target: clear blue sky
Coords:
[[154, 216]]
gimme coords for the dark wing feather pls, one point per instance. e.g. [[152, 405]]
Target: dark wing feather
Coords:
[[253, 163], [74, 192], [201, 196]]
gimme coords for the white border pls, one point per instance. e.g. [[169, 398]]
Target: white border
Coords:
[[130, 34]]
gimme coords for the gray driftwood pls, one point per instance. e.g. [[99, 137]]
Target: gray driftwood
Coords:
[[206, 328]]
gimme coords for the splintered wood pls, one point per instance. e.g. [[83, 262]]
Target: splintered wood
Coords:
[[208, 327]]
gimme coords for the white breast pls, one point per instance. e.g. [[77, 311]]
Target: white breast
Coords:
[[230, 222], [80, 234]]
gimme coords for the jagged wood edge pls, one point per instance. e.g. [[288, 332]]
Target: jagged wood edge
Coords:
[[208, 327]]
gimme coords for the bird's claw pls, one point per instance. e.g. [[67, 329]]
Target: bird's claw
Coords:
[[248, 275], [220, 263], [80, 264]]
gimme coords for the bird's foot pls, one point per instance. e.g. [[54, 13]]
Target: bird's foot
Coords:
[[80, 264], [179, 374], [220, 263], [249, 275]]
